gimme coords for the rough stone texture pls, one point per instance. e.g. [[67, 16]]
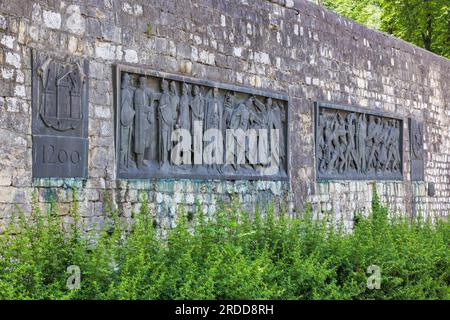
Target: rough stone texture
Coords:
[[289, 46]]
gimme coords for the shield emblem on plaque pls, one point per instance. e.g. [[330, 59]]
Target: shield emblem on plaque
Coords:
[[61, 102]]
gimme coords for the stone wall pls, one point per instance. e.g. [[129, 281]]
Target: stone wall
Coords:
[[293, 47]]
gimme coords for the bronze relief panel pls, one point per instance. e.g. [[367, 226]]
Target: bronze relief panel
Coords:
[[60, 116], [353, 143], [172, 126]]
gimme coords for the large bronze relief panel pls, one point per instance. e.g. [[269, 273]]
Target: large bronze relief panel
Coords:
[[60, 116], [172, 126], [357, 144]]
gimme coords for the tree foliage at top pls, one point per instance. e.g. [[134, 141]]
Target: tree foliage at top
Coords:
[[426, 23]]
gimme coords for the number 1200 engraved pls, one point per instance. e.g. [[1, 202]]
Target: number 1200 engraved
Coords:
[[51, 154]]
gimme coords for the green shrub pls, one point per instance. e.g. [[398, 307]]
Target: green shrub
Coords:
[[228, 257]]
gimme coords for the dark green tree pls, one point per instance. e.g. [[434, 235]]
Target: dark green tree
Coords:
[[364, 11], [425, 23]]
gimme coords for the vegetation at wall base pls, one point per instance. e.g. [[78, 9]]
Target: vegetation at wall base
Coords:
[[229, 256]]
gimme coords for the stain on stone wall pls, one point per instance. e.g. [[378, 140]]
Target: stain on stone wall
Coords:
[[292, 47]]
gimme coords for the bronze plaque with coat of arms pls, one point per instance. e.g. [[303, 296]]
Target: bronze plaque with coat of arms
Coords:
[[60, 116]]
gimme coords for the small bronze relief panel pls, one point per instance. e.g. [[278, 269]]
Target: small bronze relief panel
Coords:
[[172, 126], [357, 144], [417, 153], [60, 116]]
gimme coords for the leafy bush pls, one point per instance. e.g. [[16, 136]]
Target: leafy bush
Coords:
[[228, 257]]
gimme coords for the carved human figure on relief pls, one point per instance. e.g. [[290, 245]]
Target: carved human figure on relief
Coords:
[[361, 135], [198, 116], [142, 98], [166, 124], [383, 146], [333, 141], [184, 117], [184, 123], [126, 120], [321, 145], [351, 161], [263, 119], [260, 117], [174, 100], [213, 123], [396, 146], [151, 152], [341, 143], [373, 142], [174, 105], [240, 119], [393, 156], [329, 134], [228, 106], [197, 105], [214, 110]]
